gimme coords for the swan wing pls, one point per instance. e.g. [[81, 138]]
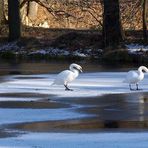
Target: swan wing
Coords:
[[64, 77], [132, 77]]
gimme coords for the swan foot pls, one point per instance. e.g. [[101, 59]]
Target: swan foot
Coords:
[[139, 89], [130, 86], [132, 89], [135, 89], [67, 89]]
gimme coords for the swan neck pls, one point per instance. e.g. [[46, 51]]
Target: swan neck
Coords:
[[74, 70], [142, 68]]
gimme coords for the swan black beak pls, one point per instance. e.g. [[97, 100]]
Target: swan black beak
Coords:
[[80, 70]]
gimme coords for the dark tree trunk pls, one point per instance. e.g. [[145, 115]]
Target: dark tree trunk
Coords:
[[14, 20], [112, 29], [144, 17], [2, 16]]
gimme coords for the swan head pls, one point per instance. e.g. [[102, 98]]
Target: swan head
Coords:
[[143, 68], [75, 67]]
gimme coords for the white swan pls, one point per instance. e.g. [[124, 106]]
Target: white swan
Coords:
[[66, 76], [135, 76]]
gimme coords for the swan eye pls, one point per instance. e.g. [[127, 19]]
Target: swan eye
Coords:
[[75, 68], [78, 68]]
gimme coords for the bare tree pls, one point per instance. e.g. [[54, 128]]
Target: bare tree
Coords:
[[2, 16], [14, 20], [144, 18], [32, 10], [112, 29], [70, 13]]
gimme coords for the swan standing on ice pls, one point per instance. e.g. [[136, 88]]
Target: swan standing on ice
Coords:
[[67, 76], [134, 77]]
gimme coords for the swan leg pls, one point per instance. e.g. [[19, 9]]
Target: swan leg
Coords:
[[67, 89], [130, 86], [137, 86]]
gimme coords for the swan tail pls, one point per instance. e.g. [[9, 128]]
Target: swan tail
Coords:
[[52, 84], [124, 81]]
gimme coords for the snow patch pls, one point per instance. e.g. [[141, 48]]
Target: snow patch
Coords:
[[12, 46], [132, 48], [15, 49]]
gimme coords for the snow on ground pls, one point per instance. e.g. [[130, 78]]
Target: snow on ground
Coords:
[[74, 140], [136, 47], [15, 49], [86, 85], [9, 47]]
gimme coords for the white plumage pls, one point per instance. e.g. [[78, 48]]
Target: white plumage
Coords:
[[134, 77], [67, 76]]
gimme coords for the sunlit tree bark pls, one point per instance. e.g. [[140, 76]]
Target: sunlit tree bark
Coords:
[[32, 10], [2, 16], [145, 19]]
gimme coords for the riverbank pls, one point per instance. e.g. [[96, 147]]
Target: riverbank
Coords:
[[71, 44]]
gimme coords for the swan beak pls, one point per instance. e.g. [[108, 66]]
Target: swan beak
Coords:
[[80, 70]]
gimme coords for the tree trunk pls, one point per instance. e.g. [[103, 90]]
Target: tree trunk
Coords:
[[14, 20], [144, 17], [32, 11], [112, 29], [2, 15]]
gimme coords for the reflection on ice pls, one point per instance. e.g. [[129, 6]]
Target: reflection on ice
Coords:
[[9, 116]]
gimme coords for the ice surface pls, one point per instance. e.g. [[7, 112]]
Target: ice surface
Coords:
[[74, 140], [86, 85], [8, 116]]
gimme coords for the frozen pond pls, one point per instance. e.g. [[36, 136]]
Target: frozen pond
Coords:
[[35, 114], [73, 140]]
